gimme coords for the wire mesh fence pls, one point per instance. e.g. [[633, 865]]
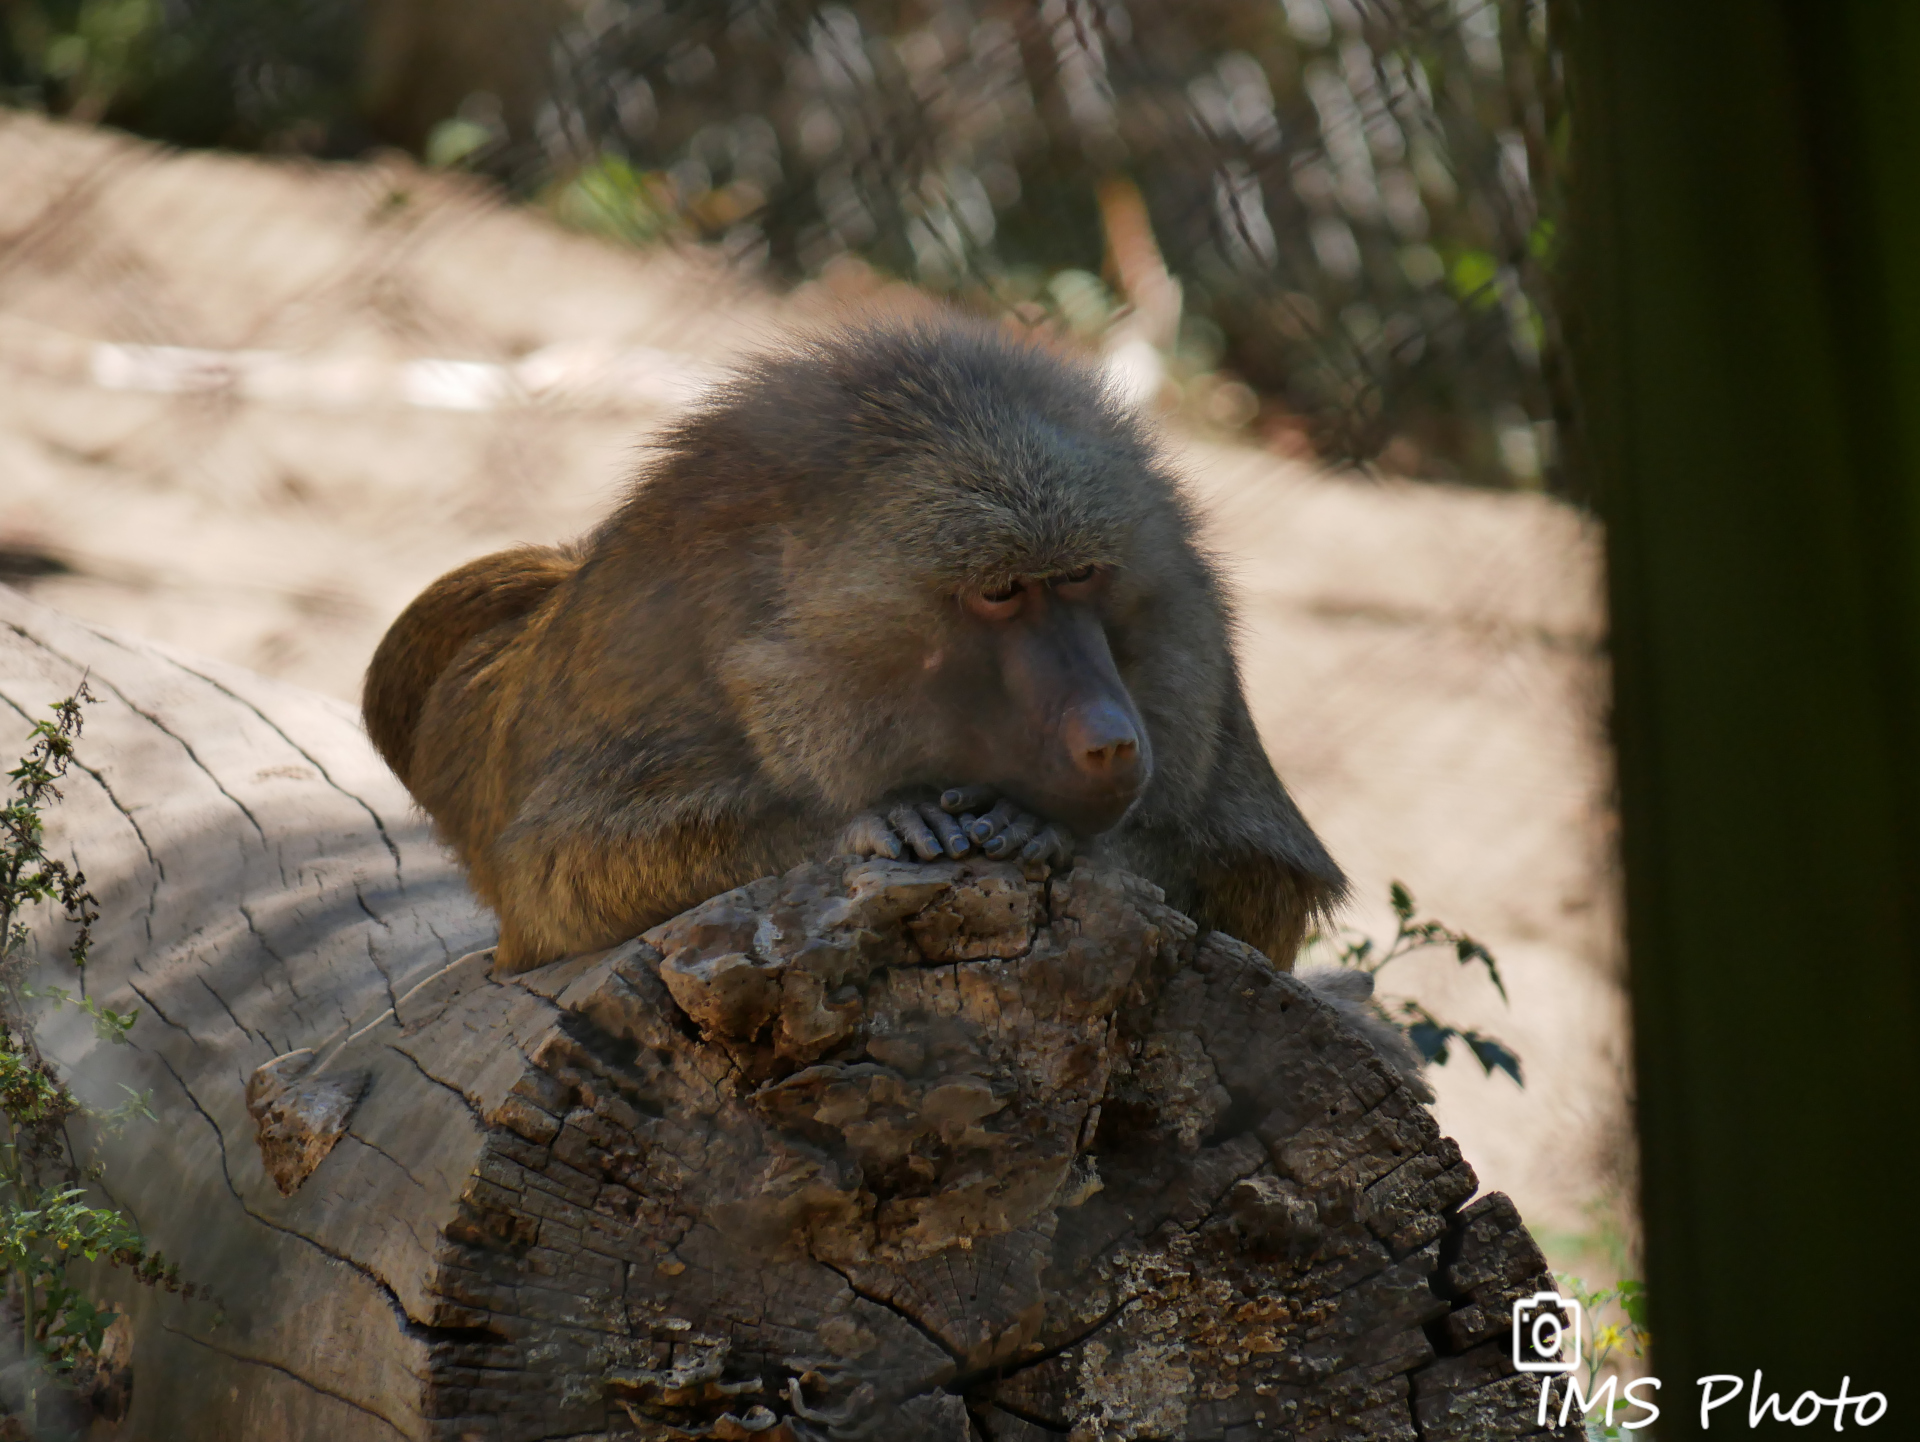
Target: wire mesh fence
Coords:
[[1348, 205]]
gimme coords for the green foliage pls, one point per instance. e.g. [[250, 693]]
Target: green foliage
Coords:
[[46, 1223], [1431, 1036], [1605, 1338], [27, 874], [1474, 276], [279, 76], [108, 1025], [609, 197]]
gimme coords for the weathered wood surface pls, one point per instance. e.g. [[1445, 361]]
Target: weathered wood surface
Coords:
[[867, 1151]]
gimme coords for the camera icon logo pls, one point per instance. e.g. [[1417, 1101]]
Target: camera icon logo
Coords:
[[1542, 1341]]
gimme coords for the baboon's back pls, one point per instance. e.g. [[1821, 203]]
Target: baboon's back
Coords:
[[442, 621]]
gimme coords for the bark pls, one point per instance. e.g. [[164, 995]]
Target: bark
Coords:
[[868, 1150]]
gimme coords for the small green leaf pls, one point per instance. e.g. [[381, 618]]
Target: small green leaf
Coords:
[[1430, 1039], [1490, 1054], [1633, 1301], [1473, 274], [1470, 951], [1402, 900]]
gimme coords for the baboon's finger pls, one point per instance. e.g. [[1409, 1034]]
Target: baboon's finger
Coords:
[[906, 820], [951, 837], [994, 821], [870, 835], [1014, 837], [1053, 846], [966, 798]]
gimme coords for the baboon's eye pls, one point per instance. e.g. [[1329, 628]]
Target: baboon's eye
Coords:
[[1085, 573], [999, 604], [1076, 584]]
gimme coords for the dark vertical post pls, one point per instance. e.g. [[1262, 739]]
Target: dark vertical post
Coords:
[[1746, 306]]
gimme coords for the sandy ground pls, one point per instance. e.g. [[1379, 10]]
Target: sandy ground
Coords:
[[1424, 662]]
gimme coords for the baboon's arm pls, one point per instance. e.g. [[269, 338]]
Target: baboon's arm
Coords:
[[1259, 872]]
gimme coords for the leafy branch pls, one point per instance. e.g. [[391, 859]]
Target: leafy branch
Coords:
[[27, 874], [1605, 1341], [1431, 1036], [45, 1222]]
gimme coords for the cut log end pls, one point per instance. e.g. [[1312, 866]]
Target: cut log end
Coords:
[[885, 1150]]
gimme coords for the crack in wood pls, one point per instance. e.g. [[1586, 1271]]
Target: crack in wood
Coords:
[[287, 1371], [379, 824], [260, 936], [353, 1136], [153, 720], [154, 1007], [465, 1100], [244, 1029], [888, 1304], [380, 1284]]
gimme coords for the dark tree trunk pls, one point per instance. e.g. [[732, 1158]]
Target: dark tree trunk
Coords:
[[1749, 357]]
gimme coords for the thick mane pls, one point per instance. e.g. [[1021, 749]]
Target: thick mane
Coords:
[[982, 453]]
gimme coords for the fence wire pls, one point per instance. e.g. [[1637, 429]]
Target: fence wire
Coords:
[[1348, 204]]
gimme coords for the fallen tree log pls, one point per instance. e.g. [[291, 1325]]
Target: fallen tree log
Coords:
[[868, 1150]]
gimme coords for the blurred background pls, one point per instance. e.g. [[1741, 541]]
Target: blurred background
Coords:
[[1333, 220], [303, 304]]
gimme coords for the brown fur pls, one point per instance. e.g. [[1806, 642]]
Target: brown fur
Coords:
[[738, 661], [442, 621]]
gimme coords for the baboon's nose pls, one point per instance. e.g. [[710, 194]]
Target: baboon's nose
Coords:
[[1104, 745]]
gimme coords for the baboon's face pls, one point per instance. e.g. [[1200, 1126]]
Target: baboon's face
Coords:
[[1046, 718]]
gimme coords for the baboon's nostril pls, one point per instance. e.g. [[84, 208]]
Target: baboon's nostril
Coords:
[[1103, 742]]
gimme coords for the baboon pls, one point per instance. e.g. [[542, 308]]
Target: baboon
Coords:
[[905, 591]]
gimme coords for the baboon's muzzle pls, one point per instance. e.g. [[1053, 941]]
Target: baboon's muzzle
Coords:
[[1084, 756]]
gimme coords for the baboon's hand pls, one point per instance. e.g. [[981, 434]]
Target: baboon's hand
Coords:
[[966, 819], [1006, 832], [919, 827]]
